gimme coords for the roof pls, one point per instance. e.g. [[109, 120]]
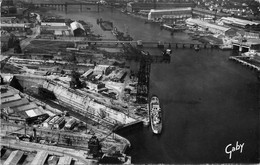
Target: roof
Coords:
[[64, 160], [34, 112], [166, 10], [59, 20], [209, 11], [23, 101], [25, 107], [12, 24], [7, 94], [75, 25], [40, 158], [57, 27], [239, 21], [14, 157], [88, 72], [253, 41], [206, 24], [11, 98]]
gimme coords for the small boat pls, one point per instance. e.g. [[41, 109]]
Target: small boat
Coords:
[[155, 115], [196, 48]]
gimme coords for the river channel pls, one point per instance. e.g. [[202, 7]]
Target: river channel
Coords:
[[208, 101]]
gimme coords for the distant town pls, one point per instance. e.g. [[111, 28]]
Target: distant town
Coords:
[[67, 91]]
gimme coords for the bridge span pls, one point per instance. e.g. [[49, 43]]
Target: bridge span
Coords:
[[138, 43]]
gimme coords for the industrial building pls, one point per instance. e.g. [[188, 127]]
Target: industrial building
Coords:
[[239, 23], [21, 27], [77, 29], [176, 13], [213, 28], [57, 30], [7, 40], [207, 14], [17, 109], [137, 6], [53, 22]]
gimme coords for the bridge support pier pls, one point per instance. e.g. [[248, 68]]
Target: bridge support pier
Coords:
[[160, 45], [240, 48], [80, 7], [66, 7]]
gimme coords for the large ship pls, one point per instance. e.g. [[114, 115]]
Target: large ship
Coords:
[[155, 115]]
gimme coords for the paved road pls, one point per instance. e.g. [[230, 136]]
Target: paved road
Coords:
[[78, 155]]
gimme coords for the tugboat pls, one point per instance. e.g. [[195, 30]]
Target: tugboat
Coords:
[[155, 115]]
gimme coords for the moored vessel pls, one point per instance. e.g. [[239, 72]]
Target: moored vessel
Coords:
[[155, 115]]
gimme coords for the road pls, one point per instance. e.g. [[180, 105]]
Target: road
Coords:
[[36, 31], [78, 155]]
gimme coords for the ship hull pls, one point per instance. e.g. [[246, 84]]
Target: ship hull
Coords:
[[155, 114]]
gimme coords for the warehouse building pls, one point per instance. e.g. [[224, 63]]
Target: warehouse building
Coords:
[[239, 23], [16, 109], [138, 6], [176, 12], [21, 27], [77, 29], [53, 22], [207, 14], [57, 30], [213, 28]]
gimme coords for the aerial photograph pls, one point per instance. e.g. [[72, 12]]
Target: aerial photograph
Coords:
[[87, 82]]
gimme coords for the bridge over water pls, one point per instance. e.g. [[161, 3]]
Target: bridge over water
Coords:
[[142, 44]]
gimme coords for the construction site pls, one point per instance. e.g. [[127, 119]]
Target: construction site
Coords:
[[65, 94]]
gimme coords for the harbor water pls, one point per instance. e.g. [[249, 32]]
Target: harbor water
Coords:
[[210, 104]]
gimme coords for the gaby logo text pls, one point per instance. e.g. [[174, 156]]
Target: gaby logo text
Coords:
[[230, 149]]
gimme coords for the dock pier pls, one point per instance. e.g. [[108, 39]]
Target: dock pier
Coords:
[[245, 63]]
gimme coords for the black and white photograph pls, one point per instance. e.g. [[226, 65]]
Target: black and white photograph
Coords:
[[87, 82]]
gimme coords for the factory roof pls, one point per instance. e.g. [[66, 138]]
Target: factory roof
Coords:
[[11, 98], [168, 10], [12, 24], [14, 157], [206, 24], [87, 73], [54, 20], [64, 160], [209, 11], [56, 27], [40, 158], [20, 102], [7, 94], [239, 21], [75, 25], [25, 107], [34, 112]]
